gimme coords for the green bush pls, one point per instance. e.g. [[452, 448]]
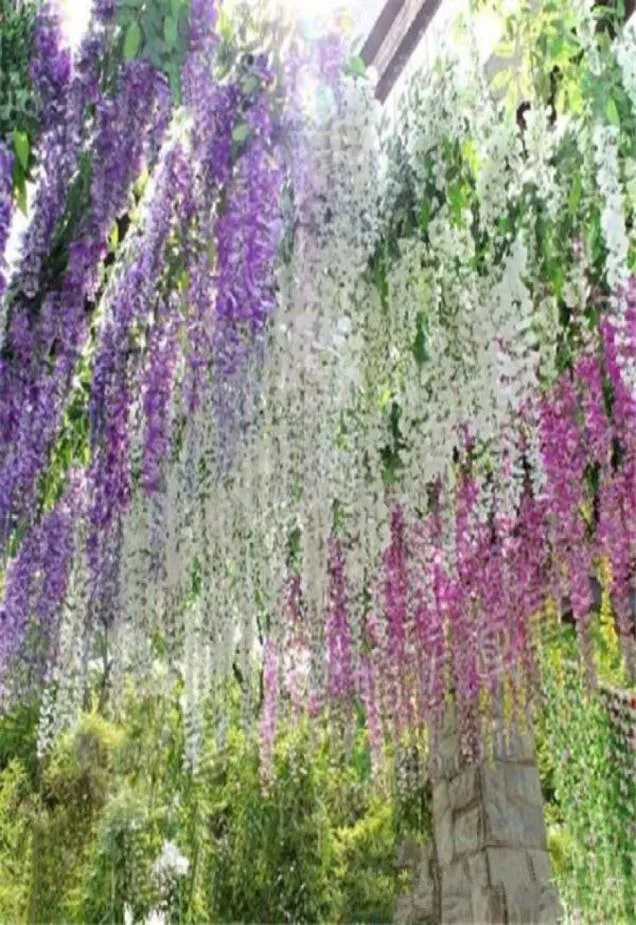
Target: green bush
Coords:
[[80, 834], [589, 839]]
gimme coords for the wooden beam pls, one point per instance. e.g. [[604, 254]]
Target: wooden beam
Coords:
[[381, 29], [394, 37]]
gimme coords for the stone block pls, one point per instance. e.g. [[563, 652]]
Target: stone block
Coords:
[[456, 907], [550, 910], [512, 745], [404, 913], [441, 799], [478, 873], [489, 906], [469, 831], [539, 864], [464, 788], [423, 896], [508, 868], [443, 820], [480, 888], [523, 785], [512, 815], [448, 755]]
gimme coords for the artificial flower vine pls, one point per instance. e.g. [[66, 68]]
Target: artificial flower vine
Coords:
[[356, 408]]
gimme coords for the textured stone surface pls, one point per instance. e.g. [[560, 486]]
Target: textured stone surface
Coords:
[[549, 906], [409, 856], [469, 831], [480, 886], [464, 788], [539, 863], [490, 864], [418, 906], [443, 815], [456, 905], [513, 811], [511, 746]]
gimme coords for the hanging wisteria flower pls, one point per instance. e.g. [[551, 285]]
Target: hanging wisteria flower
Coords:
[[355, 435], [171, 863], [50, 68], [51, 343]]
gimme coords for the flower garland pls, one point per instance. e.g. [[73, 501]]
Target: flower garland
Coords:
[[354, 431]]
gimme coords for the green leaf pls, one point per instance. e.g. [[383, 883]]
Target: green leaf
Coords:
[[153, 51], [575, 195], [132, 41], [21, 196], [456, 201], [113, 237], [504, 50], [240, 133], [249, 84], [170, 31], [611, 112], [501, 79], [176, 6], [22, 149], [225, 26], [357, 67], [174, 77]]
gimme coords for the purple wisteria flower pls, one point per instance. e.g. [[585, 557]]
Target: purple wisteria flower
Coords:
[[203, 18], [36, 586], [116, 360], [45, 349], [158, 382], [50, 68]]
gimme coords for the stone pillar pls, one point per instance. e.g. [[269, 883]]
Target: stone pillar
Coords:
[[490, 838]]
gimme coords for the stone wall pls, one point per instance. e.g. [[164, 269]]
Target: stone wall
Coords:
[[489, 862]]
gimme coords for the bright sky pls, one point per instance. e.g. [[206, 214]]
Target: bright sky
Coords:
[[75, 13]]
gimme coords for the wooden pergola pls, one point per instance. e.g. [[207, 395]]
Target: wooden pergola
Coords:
[[399, 29]]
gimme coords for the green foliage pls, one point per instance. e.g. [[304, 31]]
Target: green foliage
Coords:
[[18, 104], [157, 30], [16, 834], [588, 834], [79, 838]]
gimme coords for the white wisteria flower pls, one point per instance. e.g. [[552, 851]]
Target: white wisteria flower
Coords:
[[171, 865]]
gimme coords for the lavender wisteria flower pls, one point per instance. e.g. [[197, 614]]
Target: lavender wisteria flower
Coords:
[[72, 91], [248, 236], [116, 359], [46, 348], [50, 69], [36, 585]]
